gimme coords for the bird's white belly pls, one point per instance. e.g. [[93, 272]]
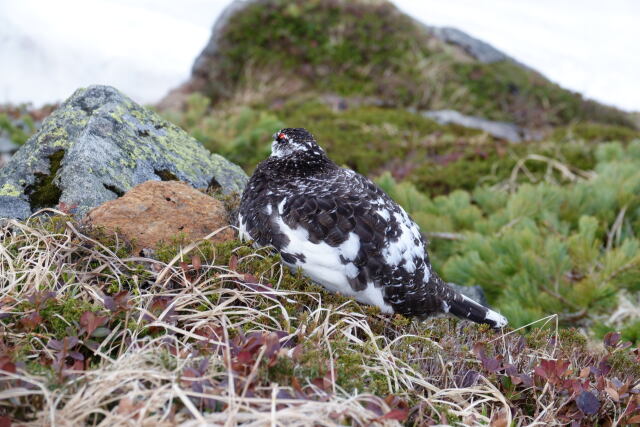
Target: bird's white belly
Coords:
[[323, 264]]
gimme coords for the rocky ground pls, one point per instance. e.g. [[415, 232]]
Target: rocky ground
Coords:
[[125, 298]]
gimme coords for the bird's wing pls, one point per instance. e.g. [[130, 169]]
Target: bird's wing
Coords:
[[374, 238]]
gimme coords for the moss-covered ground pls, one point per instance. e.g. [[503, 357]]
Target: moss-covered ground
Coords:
[[206, 333]]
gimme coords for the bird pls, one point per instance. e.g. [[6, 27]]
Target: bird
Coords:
[[345, 233]]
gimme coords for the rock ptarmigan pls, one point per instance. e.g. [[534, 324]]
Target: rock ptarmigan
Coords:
[[345, 233]]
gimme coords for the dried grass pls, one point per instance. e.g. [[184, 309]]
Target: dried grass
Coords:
[[138, 373]]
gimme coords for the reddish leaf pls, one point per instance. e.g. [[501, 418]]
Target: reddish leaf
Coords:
[[588, 403], [31, 321], [127, 407], [549, 366], [117, 302], [478, 350], [395, 402], [250, 278], [375, 408], [255, 341], [323, 383], [510, 369], [611, 339], [196, 262], [561, 367], [584, 372], [527, 381], [7, 365], [90, 321], [5, 421], [634, 420], [296, 384], [499, 419], [600, 383], [272, 343], [55, 345], [245, 357], [297, 352], [233, 263], [604, 367], [76, 355], [38, 298], [612, 393], [396, 414], [539, 371], [491, 364], [78, 365]]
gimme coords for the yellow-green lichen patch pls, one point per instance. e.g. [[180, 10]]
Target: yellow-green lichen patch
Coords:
[[9, 189]]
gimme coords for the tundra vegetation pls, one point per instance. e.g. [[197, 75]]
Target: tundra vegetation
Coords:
[[93, 333]]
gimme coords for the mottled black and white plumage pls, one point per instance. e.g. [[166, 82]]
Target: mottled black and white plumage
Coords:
[[345, 233]]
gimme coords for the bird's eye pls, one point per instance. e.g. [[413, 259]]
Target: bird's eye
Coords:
[[281, 135]]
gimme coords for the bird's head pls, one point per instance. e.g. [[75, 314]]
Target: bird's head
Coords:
[[292, 142]]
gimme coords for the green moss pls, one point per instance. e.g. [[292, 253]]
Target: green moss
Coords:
[[470, 166], [594, 132], [369, 139], [625, 363], [572, 340], [59, 316], [338, 46], [506, 91], [44, 192]]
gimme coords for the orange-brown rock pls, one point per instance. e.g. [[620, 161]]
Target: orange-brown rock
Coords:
[[156, 211]]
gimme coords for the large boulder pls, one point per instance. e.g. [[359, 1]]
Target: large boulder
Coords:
[[98, 145]]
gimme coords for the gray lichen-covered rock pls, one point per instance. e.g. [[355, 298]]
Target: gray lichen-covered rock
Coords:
[[502, 130], [480, 50], [98, 145]]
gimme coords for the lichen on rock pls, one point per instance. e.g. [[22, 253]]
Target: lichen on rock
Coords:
[[100, 144]]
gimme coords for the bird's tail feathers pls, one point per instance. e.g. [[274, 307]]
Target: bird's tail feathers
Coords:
[[467, 308]]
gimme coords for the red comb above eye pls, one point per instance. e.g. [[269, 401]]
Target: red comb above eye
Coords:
[[281, 135]]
